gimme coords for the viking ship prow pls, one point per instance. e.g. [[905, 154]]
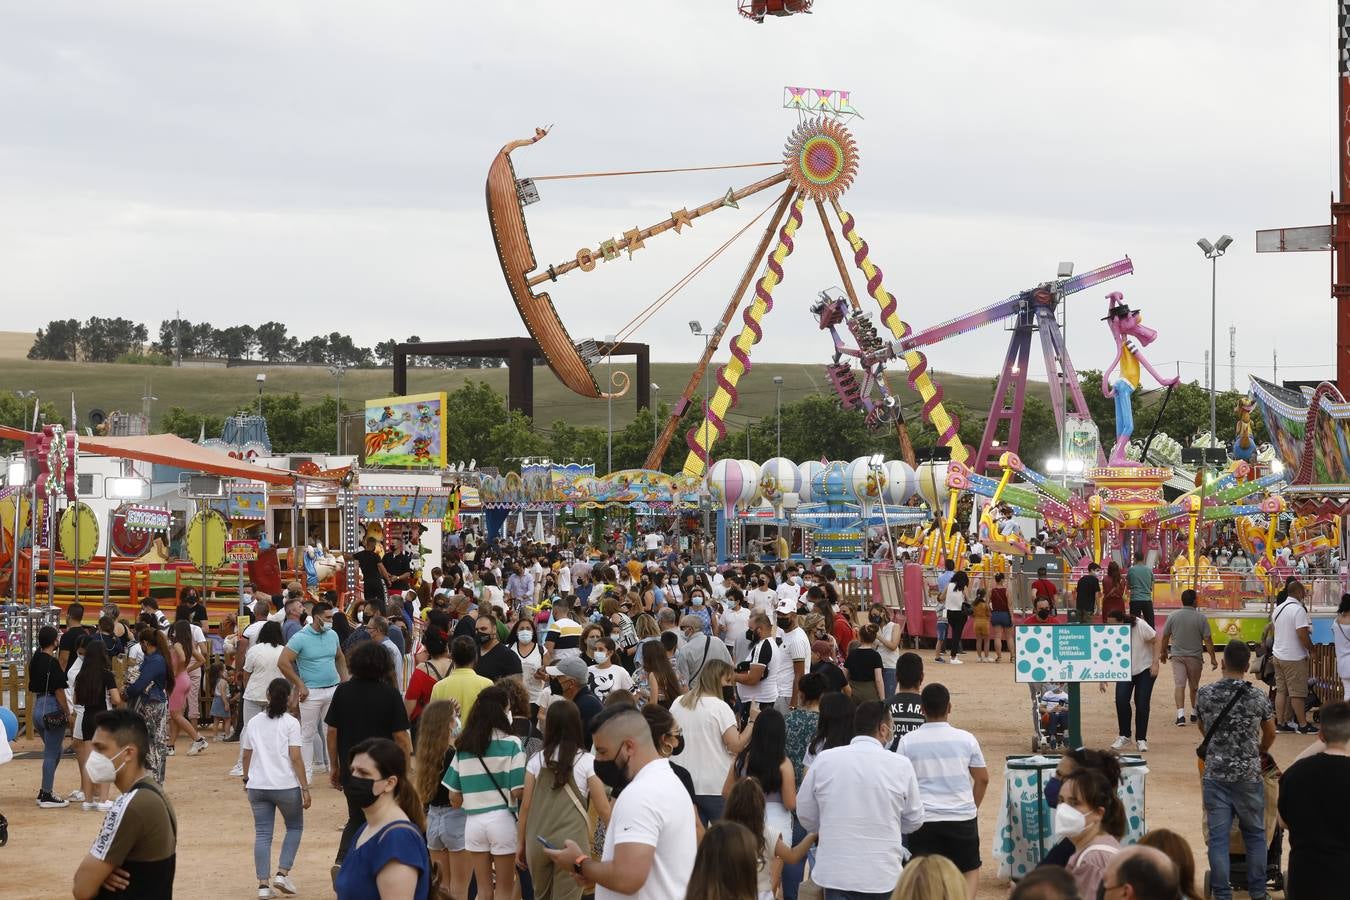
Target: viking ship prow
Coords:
[[506, 214]]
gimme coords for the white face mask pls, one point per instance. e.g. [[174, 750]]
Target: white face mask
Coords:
[[1069, 822], [525, 637], [601, 656], [100, 768]]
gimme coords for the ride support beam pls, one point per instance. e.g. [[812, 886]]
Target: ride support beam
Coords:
[[658, 451]]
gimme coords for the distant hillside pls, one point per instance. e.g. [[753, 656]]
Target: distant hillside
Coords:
[[15, 344], [109, 386]]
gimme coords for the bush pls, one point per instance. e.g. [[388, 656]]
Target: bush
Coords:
[[144, 359]]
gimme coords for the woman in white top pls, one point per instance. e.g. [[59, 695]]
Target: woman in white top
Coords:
[[888, 644], [260, 667], [274, 776], [525, 645], [1144, 656], [605, 675], [954, 606], [1341, 637], [560, 785], [711, 739]]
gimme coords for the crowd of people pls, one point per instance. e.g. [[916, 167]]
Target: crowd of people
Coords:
[[556, 707]]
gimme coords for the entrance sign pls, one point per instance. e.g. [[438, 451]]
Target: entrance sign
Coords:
[[241, 551], [1072, 653]]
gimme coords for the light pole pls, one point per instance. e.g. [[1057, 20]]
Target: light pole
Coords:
[[337, 370], [656, 397], [610, 341], [1212, 253], [876, 462], [778, 412], [261, 379]]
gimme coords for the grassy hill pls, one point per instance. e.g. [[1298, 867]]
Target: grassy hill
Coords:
[[15, 344], [110, 386]]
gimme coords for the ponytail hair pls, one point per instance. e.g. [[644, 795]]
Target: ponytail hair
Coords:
[[392, 762], [278, 697], [152, 635]]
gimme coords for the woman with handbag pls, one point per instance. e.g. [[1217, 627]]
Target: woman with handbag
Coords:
[[47, 679], [560, 782], [149, 695], [486, 779]]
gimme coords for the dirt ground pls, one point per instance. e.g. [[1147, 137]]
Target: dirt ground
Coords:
[[216, 827]]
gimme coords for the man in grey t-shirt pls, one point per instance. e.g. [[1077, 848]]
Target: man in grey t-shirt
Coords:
[[1185, 636]]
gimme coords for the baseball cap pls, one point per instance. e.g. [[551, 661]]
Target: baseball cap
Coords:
[[573, 667], [786, 607]]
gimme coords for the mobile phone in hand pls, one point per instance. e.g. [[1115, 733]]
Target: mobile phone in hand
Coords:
[[543, 841]]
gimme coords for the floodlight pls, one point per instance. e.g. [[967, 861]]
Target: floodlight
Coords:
[[1065, 270], [1054, 464], [1222, 243], [1276, 467], [695, 326], [1075, 467], [1205, 246], [126, 488], [17, 472]]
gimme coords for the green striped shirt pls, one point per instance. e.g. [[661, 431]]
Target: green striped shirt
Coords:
[[473, 776]]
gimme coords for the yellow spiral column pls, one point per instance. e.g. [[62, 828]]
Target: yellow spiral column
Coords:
[[714, 427], [920, 380]]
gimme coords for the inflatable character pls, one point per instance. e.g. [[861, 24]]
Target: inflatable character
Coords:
[[1244, 445], [1127, 325]]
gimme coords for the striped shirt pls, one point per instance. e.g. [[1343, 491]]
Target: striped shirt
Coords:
[[565, 636], [473, 776], [943, 757]]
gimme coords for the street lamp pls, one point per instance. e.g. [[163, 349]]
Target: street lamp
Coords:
[[656, 404], [261, 378], [337, 370], [611, 340], [778, 412], [1212, 253], [876, 463]]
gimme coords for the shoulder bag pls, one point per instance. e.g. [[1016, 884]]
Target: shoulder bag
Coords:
[[505, 799], [1201, 750], [56, 720]]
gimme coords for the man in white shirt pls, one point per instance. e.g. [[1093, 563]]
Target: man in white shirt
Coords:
[[788, 588], [861, 799], [760, 598], [650, 843], [754, 682], [1293, 643], [952, 781], [795, 651]]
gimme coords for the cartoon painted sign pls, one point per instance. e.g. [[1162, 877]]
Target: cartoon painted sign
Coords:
[[406, 431]]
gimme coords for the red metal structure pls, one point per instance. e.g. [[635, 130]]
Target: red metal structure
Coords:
[[1340, 211], [758, 9]]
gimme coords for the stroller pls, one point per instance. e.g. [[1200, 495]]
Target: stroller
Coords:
[[1237, 850], [1049, 716]]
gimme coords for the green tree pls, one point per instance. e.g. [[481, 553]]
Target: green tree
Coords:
[[59, 340], [17, 412], [273, 343], [511, 439], [471, 412], [190, 425]]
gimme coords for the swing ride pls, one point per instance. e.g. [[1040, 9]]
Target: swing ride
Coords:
[[819, 163]]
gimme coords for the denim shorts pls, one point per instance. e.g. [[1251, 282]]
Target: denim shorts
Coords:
[[445, 828], [1000, 619], [942, 629]]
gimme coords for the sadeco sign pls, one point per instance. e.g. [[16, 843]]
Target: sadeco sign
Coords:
[[1072, 653]]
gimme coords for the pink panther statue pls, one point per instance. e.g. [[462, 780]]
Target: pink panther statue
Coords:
[[1127, 324]]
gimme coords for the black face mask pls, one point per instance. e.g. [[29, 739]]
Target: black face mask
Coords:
[[750, 635], [1042, 613], [876, 620], [482, 638], [612, 773], [784, 622], [555, 687], [360, 791], [679, 746]]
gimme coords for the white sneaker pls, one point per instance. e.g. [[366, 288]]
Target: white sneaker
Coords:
[[197, 746], [1141, 746], [284, 883], [104, 805], [265, 892], [956, 661], [237, 771], [75, 796], [1120, 743], [321, 768], [88, 806]]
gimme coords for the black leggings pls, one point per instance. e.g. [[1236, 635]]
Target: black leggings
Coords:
[[956, 623], [356, 817]]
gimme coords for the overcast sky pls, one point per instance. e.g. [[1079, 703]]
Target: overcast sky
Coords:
[[323, 163]]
